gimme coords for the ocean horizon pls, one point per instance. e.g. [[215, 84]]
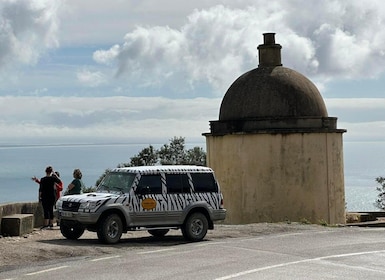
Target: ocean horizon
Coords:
[[19, 163]]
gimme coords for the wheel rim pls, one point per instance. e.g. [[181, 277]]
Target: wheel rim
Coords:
[[113, 229], [196, 227]]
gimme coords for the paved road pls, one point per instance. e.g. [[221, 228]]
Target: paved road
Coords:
[[325, 253]]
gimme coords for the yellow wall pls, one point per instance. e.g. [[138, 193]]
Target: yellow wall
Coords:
[[280, 177]]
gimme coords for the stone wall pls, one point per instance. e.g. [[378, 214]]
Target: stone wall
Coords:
[[34, 208]]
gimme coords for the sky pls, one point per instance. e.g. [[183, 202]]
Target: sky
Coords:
[[121, 71]]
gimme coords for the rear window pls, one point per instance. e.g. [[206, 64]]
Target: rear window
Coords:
[[177, 183], [204, 182]]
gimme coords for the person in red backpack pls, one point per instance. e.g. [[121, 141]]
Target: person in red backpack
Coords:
[[58, 186]]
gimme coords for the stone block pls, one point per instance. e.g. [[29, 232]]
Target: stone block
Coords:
[[17, 224]]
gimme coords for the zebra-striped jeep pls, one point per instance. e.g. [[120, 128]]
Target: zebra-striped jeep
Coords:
[[152, 198]]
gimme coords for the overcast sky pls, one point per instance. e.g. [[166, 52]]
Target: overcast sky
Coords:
[[126, 71]]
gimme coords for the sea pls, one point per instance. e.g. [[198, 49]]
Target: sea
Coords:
[[363, 162]]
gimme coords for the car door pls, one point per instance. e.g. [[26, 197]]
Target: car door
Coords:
[[149, 201], [178, 195]]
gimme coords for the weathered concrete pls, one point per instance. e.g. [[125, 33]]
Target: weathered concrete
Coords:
[[17, 224], [34, 208], [280, 177]]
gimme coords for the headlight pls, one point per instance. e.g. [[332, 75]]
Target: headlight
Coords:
[[88, 205], [59, 204]]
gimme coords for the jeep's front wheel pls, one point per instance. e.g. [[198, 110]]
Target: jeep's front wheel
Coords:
[[195, 227], [71, 230], [110, 229]]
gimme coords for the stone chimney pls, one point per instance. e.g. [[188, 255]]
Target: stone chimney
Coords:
[[269, 53]]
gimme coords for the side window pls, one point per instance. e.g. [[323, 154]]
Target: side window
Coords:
[[177, 183], [204, 182], [149, 184]]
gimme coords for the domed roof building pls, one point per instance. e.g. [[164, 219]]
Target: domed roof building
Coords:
[[272, 92], [276, 152]]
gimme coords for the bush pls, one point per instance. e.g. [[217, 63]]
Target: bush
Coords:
[[88, 189], [380, 202], [172, 153]]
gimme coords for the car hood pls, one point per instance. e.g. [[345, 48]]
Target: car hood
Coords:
[[95, 196]]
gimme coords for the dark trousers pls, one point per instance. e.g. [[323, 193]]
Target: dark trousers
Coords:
[[48, 209]]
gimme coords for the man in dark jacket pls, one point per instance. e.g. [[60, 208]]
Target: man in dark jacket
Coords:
[[47, 195]]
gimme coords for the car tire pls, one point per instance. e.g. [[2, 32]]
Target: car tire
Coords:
[[158, 232], [71, 230], [195, 227], [110, 229]]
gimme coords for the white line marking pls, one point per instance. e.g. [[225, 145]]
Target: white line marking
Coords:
[[209, 243], [296, 262], [105, 258], [155, 251], [47, 270]]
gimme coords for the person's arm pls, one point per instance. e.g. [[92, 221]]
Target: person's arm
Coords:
[[35, 179]]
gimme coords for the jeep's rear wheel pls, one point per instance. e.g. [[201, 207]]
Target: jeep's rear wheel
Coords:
[[71, 230], [195, 227], [110, 229], [158, 232]]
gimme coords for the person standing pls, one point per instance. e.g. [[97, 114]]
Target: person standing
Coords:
[[47, 195], [75, 187], [58, 187], [58, 190]]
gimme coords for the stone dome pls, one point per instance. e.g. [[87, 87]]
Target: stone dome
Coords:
[[271, 91], [272, 99]]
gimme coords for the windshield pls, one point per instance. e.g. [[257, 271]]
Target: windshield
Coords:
[[117, 182]]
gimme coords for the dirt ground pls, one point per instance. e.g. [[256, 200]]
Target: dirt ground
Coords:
[[45, 245]]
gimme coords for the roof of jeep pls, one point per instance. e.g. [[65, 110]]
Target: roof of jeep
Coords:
[[163, 168]]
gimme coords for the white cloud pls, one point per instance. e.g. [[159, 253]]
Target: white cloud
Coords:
[[108, 119], [363, 118], [92, 79], [364, 131], [218, 44], [27, 29], [174, 51], [356, 103], [106, 57], [114, 119], [356, 110]]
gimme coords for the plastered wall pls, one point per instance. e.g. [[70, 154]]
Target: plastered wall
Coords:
[[280, 177]]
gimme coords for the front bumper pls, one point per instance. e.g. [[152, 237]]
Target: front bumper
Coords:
[[83, 218]]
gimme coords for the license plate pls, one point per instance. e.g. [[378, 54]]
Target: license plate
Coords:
[[65, 214]]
